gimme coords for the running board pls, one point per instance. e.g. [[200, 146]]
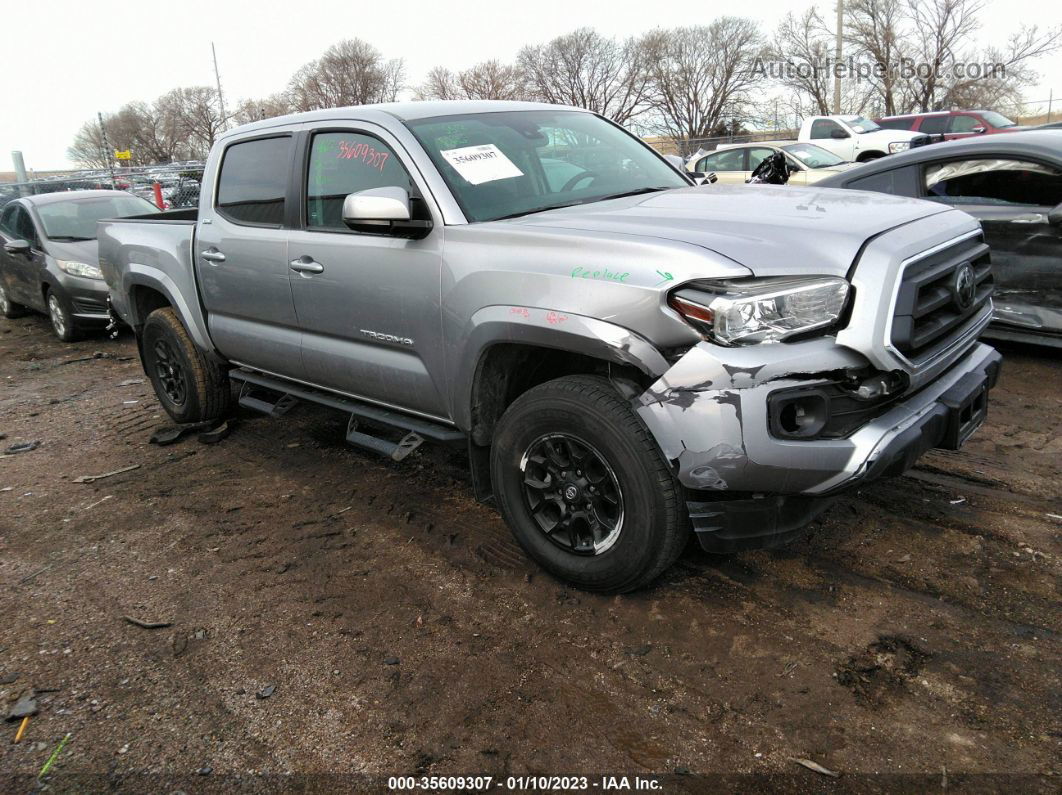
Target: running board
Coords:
[[416, 428]]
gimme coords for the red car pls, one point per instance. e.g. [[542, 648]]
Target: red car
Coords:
[[952, 123]]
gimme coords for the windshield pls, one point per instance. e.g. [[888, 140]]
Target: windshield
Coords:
[[861, 125], [813, 156], [501, 165], [76, 219], [997, 120]]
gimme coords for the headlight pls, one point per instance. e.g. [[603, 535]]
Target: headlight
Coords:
[[82, 269], [899, 146], [748, 311]]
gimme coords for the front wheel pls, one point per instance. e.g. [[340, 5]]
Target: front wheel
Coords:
[[62, 316], [190, 386], [584, 488]]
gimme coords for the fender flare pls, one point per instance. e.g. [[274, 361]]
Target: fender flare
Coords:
[[137, 275], [545, 328]]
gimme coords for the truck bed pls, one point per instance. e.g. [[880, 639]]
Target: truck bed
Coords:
[[153, 253]]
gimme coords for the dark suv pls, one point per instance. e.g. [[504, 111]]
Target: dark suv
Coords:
[[952, 124]]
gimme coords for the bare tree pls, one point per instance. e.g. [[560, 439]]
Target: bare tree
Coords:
[[873, 28], [88, 150], [352, 72], [802, 47], [703, 78], [486, 80], [195, 114], [587, 70], [251, 110], [927, 57]]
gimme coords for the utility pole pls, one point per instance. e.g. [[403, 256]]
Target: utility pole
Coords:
[[838, 54], [108, 153], [1050, 102], [217, 77]]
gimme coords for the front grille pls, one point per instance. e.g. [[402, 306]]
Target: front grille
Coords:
[[87, 306], [930, 311]]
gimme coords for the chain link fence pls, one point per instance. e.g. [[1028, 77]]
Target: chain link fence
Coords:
[[687, 147], [169, 186]]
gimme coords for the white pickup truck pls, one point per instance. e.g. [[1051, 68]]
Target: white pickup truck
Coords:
[[856, 139]]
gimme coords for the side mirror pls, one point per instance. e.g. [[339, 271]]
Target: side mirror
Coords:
[[1055, 216], [978, 129], [793, 168], [383, 211], [839, 134], [18, 246]]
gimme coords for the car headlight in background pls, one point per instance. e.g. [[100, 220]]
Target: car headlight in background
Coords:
[[899, 146], [749, 311], [82, 269]]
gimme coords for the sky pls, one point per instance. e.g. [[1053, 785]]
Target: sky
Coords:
[[67, 59]]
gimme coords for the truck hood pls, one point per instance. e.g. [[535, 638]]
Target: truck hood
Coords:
[[771, 230]]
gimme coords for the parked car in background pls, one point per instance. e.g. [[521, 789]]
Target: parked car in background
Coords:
[[1013, 185], [856, 139], [734, 163], [951, 124], [623, 353], [49, 262]]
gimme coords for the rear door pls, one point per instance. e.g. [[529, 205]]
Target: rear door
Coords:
[[1011, 198], [368, 304], [241, 255], [727, 164]]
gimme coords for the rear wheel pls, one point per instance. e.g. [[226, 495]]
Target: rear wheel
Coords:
[[9, 308], [190, 386], [62, 316], [584, 488]]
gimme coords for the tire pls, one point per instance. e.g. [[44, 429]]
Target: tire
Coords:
[[190, 386], [9, 308], [559, 416], [61, 315]]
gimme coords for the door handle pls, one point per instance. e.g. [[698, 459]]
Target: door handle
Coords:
[[306, 265], [212, 255], [1035, 218]]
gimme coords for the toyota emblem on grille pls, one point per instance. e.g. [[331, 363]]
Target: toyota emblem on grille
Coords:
[[964, 290]]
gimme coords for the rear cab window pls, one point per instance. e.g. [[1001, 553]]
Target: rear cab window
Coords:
[[253, 181]]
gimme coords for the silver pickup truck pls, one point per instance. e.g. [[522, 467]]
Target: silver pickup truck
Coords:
[[625, 353]]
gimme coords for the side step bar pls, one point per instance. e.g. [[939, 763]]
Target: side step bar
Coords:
[[417, 429]]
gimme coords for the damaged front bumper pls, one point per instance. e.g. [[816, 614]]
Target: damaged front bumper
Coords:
[[749, 488]]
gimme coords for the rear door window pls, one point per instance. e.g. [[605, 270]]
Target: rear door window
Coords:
[[933, 125], [727, 160], [254, 180]]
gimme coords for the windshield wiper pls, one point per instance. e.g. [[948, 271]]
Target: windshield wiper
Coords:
[[69, 238], [631, 193]]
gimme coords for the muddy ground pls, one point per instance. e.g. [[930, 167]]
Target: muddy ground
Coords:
[[397, 629]]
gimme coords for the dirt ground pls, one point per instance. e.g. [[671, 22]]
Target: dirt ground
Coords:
[[334, 613]]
